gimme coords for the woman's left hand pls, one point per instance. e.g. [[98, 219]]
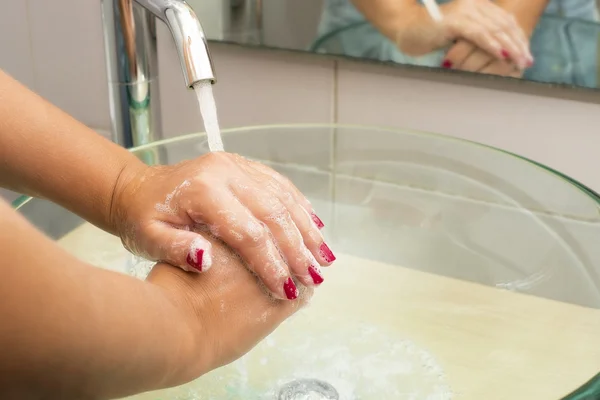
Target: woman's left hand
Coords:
[[164, 213], [466, 56]]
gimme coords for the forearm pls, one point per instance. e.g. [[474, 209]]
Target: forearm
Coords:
[[46, 153], [404, 22], [527, 13], [70, 330]]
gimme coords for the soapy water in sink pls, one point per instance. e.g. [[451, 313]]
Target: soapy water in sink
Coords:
[[208, 109], [360, 359]]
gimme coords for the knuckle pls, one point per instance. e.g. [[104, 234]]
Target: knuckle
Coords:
[[254, 235], [273, 210], [478, 31], [203, 179]]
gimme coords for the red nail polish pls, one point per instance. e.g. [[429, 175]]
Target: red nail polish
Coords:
[[505, 54], [291, 292], [196, 263], [447, 64], [317, 221], [326, 253], [315, 275]]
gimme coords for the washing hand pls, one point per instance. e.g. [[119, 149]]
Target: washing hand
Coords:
[[480, 22], [165, 213], [465, 56]]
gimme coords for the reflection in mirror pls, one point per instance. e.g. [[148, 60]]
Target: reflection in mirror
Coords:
[[551, 41]]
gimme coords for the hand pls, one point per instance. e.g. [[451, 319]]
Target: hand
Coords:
[[480, 22], [227, 312], [164, 213], [465, 56]]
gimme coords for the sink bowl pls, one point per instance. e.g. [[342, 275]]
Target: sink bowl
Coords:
[[463, 272]]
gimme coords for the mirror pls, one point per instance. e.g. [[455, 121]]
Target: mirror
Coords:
[[561, 36]]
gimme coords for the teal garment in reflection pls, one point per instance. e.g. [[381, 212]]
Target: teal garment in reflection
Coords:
[[564, 43], [589, 391]]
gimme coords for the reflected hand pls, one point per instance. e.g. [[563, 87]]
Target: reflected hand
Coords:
[[165, 213], [487, 26], [226, 311], [466, 56]]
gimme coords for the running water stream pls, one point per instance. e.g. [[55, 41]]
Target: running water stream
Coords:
[[208, 109]]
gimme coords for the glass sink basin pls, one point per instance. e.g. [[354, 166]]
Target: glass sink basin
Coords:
[[463, 272]]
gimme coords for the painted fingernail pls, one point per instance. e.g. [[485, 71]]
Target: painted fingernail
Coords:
[[317, 221], [326, 253], [315, 275], [194, 259], [505, 54], [291, 292], [447, 64]]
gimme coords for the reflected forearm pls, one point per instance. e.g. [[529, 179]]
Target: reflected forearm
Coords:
[[527, 13], [46, 153], [71, 331], [404, 22]]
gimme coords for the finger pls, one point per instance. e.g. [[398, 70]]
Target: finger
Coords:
[[458, 53], [307, 224], [312, 238], [266, 205], [477, 29], [180, 247], [501, 68], [515, 45], [485, 38], [476, 61], [290, 188], [237, 226], [290, 242]]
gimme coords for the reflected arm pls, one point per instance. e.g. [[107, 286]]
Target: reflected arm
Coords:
[[46, 153], [527, 13], [404, 22]]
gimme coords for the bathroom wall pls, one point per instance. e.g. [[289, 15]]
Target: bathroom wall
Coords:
[[56, 48]]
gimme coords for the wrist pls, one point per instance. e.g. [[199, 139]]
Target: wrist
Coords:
[[193, 354], [418, 33], [526, 13], [183, 356], [128, 178]]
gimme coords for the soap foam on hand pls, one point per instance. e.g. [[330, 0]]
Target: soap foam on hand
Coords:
[[208, 109]]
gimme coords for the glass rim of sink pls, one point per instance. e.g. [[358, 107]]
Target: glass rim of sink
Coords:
[[587, 191], [593, 385]]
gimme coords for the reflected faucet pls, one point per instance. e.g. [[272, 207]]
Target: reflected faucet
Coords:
[[132, 64]]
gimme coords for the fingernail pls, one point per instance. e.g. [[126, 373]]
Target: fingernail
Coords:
[[317, 221], [195, 260], [315, 275], [530, 62], [505, 54], [447, 64], [291, 292], [326, 253]]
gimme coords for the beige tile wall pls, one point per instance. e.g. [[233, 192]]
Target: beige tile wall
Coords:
[[563, 134], [56, 48]]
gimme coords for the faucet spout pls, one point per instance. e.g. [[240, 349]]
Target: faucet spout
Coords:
[[189, 37], [132, 63]]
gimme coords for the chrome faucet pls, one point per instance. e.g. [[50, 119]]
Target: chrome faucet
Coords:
[[130, 49]]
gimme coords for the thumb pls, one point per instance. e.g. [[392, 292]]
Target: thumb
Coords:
[[187, 250]]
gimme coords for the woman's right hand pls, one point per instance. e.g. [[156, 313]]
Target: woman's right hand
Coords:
[[489, 27], [228, 311], [165, 213]]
